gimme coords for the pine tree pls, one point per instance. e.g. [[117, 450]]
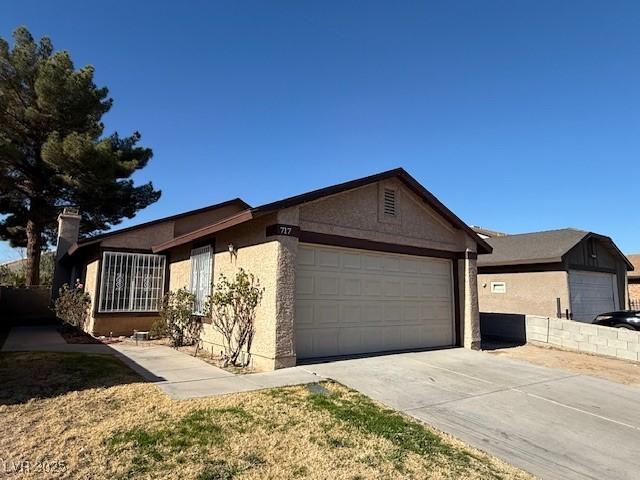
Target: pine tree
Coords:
[[53, 152]]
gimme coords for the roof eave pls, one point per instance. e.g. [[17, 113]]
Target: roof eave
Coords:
[[204, 232]]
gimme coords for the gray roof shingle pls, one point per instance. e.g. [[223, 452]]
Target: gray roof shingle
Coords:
[[527, 248]]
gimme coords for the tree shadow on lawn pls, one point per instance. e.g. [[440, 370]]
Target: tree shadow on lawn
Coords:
[[31, 375]]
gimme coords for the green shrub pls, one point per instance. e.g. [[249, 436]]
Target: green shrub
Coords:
[[72, 305], [177, 320], [233, 313]]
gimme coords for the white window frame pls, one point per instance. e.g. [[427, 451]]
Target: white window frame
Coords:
[[141, 291], [498, 287], [200, 278]]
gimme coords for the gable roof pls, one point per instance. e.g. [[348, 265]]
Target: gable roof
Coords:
[[537, 247], [635, 261], [410, 182], [98, 238]]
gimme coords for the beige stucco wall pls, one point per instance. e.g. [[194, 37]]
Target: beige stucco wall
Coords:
[[532, 293], [180, 267], [90, 286], [264, 257], [356, 214], [469, 307], [124, 324]]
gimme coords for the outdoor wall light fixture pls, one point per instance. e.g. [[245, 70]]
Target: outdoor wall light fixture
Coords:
[[232, 251]]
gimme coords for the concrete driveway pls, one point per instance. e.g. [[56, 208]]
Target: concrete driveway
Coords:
[[552, 423]]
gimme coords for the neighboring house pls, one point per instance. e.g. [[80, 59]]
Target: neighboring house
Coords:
[[14, 271], [375, 264], [557, 273], [486, 233], [634, 281]]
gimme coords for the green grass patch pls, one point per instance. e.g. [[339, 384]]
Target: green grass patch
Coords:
[[361, 413], [200, 428]]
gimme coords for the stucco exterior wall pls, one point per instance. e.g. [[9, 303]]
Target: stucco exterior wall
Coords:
[[262, 261], [356, 214], [123, 324], [263, 257], [469, 309], [532, 293], [179, 267], [142, 238], [90, 286], [634, 291]]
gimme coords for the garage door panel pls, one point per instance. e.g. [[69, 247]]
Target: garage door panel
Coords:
[[372, 287], [592, 293], [304, 314], [351, 261], [306, 256], [350, 301], [327, 285], [328, 259], [305, 284], [351, 287]]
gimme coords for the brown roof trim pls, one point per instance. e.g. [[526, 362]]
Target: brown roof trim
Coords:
[[228, 222], [401, 173], [516, 262], [523, 268]]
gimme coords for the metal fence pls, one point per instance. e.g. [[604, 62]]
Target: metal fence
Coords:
[[634, 304]]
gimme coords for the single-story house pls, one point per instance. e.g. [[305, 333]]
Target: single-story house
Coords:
[[559, 273], [371, 265], [634, 280]]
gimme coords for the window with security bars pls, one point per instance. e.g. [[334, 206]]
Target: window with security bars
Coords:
[[131, 282], [201, 277]]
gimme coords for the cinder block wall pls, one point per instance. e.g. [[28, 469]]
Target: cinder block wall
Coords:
[[613, 342]]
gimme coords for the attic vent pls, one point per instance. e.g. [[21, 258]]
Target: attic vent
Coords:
[[389, 202]]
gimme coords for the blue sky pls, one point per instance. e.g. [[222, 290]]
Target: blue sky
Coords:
[[519, 116]]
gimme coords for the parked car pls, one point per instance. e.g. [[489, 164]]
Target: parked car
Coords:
[[629, 319]]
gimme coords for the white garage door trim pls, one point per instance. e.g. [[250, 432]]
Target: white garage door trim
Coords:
[[592, 293], [351, 301]]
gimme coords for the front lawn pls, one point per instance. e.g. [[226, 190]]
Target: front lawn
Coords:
[[92, 417]]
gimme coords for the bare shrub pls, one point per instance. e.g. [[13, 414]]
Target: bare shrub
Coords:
[[233, 312]]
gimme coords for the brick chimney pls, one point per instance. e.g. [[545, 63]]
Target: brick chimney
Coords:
[[68, 231]]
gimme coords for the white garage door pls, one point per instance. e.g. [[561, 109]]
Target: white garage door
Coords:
[[355, 301], [592, 293]]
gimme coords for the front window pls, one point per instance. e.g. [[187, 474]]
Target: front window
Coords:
[[200, 277], [131, 282]]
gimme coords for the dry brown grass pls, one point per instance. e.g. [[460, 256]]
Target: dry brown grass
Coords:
[[129, 429], [615, 369]]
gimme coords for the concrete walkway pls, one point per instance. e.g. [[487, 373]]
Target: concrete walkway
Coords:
[[182, 376], [45, 338], [178, 374]]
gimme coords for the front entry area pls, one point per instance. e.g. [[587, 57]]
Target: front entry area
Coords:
[[351, 301]]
